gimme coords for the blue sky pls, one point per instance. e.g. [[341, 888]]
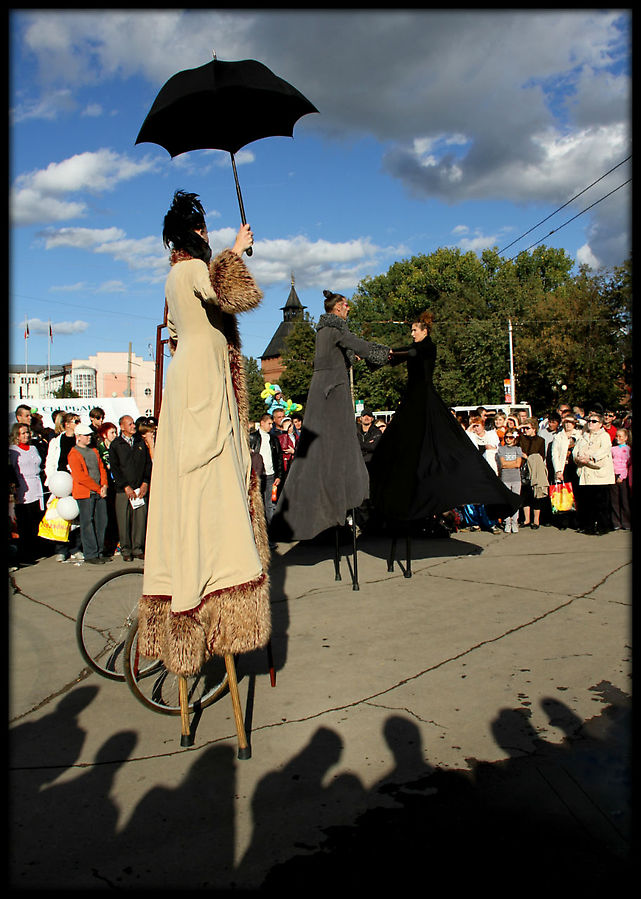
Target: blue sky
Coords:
[[436, 128]]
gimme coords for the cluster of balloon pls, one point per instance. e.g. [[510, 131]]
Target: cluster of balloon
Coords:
[[60, 485]]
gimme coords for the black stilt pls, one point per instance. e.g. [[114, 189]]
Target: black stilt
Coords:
[[355, 550], [392, 553], [408, 550], [337, 556]]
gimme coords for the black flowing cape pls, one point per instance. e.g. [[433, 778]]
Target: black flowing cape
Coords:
[[425, 463]]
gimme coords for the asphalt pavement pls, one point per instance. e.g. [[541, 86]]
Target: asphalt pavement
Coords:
[[472, 720]]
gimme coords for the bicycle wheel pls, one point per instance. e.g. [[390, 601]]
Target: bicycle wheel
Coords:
[[105, 617], [157, 688]]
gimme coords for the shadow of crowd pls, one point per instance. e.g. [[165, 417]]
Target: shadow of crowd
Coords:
[[554, 813]]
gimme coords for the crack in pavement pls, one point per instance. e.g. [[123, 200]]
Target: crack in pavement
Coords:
[[365, 700]]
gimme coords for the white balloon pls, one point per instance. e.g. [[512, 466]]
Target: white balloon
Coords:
[[68, 508], [60, 483]]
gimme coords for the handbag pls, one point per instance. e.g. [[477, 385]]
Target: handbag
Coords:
[[52, 527], [562, 498]]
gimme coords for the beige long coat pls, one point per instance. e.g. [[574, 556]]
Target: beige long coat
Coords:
[[206, 555], [600, 470]]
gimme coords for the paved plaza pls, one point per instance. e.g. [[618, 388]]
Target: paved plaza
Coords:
[[470, 721]]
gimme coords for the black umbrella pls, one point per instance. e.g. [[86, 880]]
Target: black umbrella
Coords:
[[223, 106]]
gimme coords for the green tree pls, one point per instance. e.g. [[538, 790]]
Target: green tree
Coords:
[[255, 385], [568, 329], [66, 392]]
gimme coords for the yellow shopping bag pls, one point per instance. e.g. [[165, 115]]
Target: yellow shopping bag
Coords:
[[52, 527], [562, 498]]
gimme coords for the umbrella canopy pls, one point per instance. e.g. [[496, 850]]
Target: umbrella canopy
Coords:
[[223, 106]]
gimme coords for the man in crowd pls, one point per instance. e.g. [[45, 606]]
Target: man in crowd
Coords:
[[278, 415], [265, 442], [368, 435], [90, 492], [130, 465], [96, 418]]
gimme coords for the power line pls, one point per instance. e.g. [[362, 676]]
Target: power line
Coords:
[[575, 197], [554, 230]]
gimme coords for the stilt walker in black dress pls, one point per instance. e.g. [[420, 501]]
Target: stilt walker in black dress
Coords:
[[425, 463]]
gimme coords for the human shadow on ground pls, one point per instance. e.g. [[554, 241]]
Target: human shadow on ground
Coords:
[[554, 813], [549, 813]]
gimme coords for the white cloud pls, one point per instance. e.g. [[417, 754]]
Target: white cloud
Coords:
[[37, 326], [80, 238], [48, 107], [41, 196], [525, 106], [318, 262], [585, 256]]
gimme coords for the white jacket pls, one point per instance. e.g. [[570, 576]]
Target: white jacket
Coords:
[[600, 469], [559, 450]]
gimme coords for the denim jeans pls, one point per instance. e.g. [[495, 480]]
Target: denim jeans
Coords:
[[267, 484], [93, 524]]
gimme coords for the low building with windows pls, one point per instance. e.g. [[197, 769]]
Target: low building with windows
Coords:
[[103, 375]]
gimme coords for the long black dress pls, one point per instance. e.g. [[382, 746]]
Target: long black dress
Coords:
[[425, 463]]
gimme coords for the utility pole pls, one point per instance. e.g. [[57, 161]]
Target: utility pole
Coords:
[[512, 383], [129, 371]]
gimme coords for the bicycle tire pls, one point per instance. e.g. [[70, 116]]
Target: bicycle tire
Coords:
[[157, 688], [105, 618]]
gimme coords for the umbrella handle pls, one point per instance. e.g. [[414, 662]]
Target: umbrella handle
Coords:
[[249, 250]]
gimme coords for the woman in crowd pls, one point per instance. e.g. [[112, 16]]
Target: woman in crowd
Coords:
[[593, 456], [564, 466], [25, 469], [534, 477], [147, 430], [287, 442], [509, 460], [59, 448], [425, 463], [500, 426], [620, 499], [107, 432]]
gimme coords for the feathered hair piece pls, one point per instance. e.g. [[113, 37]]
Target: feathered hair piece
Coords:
[[184, 215]]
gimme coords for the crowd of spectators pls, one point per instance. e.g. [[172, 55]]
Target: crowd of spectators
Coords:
[[590, 453], [111, 465], [110, 468]]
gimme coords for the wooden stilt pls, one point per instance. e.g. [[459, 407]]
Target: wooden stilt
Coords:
[[244, 752], [186, 737]]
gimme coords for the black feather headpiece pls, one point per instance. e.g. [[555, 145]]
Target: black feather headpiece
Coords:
[[185, 214]]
